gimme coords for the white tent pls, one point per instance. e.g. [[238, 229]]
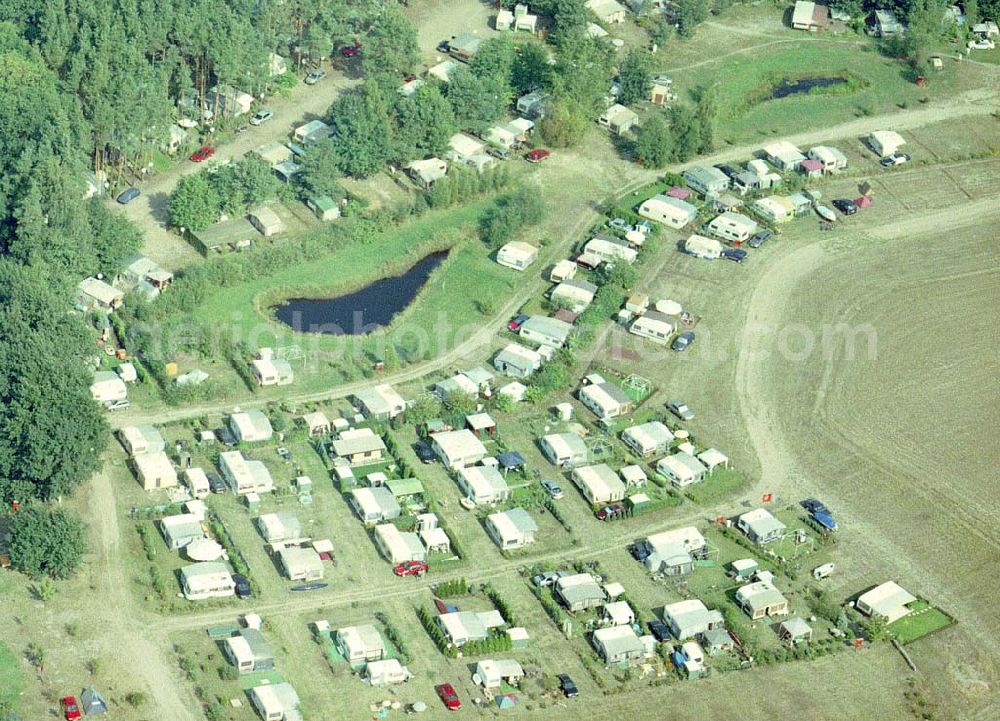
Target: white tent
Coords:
[[204, 549]]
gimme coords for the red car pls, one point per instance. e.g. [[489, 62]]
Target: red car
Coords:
[[204, 153], [537, 155], [70, 709], [351, 51], [448, 696], [410, 568], [515, 323], [608, 512]]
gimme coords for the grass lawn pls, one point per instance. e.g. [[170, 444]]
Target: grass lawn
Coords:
[[448, 308], [924, 620], [719, 484], [11, 681], [885, 86]]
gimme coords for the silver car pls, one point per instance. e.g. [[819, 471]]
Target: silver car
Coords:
[[681, 410], [261, 117]]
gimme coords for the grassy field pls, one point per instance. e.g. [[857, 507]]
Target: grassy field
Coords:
[[924, 619], [11, 680]]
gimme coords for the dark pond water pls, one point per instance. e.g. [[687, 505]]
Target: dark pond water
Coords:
[[363, 311], [804, 85]]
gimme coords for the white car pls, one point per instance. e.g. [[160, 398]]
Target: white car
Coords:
[[261, 117], [981, 44]]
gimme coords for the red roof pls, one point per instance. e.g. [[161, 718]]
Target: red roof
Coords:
[[679, 193], [864, 201], [811, 166], [567, 316]]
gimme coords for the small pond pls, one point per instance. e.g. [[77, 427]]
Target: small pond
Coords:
[[362, 311], [789, 86]]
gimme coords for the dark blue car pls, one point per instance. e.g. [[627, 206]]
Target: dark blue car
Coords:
[[128, 195]]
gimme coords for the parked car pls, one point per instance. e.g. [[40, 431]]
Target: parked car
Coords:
[[498, 153], [568, 687], [547, 578], [553, 489], [814, 506], [606, 513], [225, 437], [128, 195], [981, 43], [516, 322], [70, 708], [242, 585], [825, 520], [640, 550], [351, 51], [261, 117], [410, 568], [203, 153], [845, 206], [446, 692], [681, 410], [215, 482], [284, 453], [314, 77], [619, 224], [895, 159], [444, 46], [659, 630], [537, 155], [760, 238], [729, 170], [737, 255], [682, 341], [116, 405], [424, 452]]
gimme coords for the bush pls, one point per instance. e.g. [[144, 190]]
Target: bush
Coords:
[[46, 542]]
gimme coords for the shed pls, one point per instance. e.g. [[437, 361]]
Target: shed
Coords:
[[463, 47], [457, 449], [316, 423], [888, 601], [810, 16], [607, 11], [599, 484], [795, 630], [387, 672], [360, 643], [491, 673], [517, 255], [95, 294], [250, 426], [618, 644], [618, 119], [427, 172], [312, 132], [564, 449], [716, 640], [300, 564], [743, 568], [265, 220], [511, 529], [154, 470], [323, 207]]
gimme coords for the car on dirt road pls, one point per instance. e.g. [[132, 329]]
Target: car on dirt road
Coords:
[[314, 77], [568, 687], [845, 206], [446, 692], [516, 322], [202, 154], [241, 586], [128, 195], [553, 489], [737, 255], [760, 238], [895, 159], [410, 568], [70, 708], [681, 410], [537, 155], [682, 341], [261, 117]]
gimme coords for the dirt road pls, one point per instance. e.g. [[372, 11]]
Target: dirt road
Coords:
[[149, 210]]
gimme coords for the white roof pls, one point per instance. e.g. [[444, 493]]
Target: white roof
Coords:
[[712, 458], [400, 546], [600, 480], [465, 146], [298, 559], [251, 425], [565, 444], [669, 207], [783, 149], [317, 419], [154, 465], [358, 440], [687, 538], [633, 474], [520, 356], [682, 466], [605, 9], [760, 521], [484, 481], [517, 250], [381, 400], [429, 169], [459, 444], [510, 526], [886, 600], [888, 138], [100, 291], [361, 639], [443, 70], [653, 433], [619, 612], [618, 114], [760, 594]]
